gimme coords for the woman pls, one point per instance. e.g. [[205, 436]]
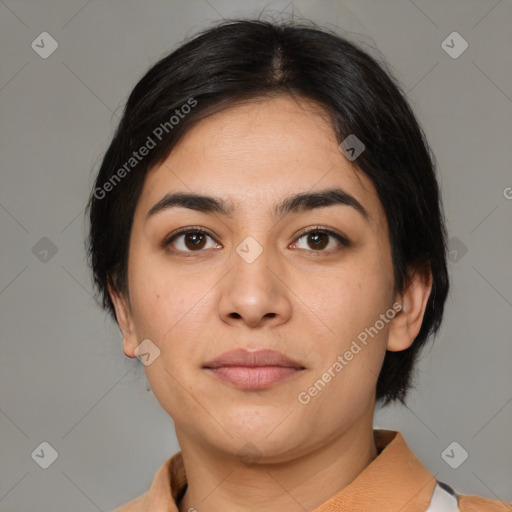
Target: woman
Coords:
[[266, 229]]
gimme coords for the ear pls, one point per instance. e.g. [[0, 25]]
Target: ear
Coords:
[[406, 325], [125, 321]]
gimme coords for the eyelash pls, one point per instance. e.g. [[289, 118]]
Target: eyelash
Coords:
[[344, 242]]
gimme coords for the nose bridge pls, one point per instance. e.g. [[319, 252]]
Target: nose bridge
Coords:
[[253, 292], [251, 261]]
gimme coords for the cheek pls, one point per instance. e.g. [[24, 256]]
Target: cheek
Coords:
[[172, 309], [162, 298], [169, 311], [348, 300]]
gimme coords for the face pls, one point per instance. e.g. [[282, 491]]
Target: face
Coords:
[[285, 287]]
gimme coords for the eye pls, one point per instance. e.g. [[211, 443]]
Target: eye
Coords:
[[320, 240], [190, 240]]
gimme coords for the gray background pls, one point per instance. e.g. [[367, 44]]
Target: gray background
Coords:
[[64, 378]]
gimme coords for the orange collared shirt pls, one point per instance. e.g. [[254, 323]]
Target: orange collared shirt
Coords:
[[395, 481]]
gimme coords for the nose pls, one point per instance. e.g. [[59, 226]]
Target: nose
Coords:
[[255, 293]]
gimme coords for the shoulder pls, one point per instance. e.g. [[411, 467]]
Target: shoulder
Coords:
[[477, 504]]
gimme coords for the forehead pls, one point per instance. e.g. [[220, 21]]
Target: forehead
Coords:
[[255, 154]]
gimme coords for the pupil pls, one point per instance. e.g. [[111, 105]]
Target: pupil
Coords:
[[319, 240], [194, 240]]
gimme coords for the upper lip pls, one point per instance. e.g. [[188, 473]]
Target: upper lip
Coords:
[[252, 358]]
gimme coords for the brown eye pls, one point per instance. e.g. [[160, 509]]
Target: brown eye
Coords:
[[194, 241], [190, 240], [317, 240]]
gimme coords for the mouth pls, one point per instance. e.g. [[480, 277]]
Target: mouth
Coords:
[[254, 370]]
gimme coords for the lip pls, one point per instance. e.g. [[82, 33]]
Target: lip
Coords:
[[253, 369]]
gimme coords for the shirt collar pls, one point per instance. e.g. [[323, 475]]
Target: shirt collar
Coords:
[[394, 480]]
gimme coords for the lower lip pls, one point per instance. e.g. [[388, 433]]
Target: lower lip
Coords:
[[254, 377]]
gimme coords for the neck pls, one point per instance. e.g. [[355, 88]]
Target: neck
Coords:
[[217, 483]]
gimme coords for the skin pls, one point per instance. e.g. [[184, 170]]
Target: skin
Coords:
[[294, 298]]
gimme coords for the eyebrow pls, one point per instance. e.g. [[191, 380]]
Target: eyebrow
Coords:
[[297, 203]]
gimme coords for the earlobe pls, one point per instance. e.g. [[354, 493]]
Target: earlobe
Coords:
[[125, 321], [407, 323]]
